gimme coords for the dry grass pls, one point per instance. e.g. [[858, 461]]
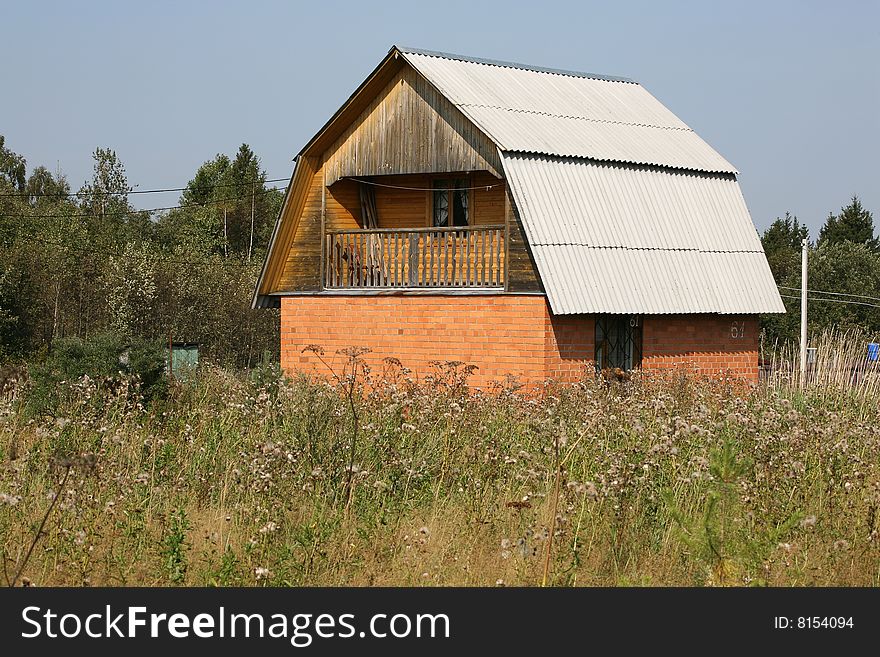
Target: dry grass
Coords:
[[245, 481]]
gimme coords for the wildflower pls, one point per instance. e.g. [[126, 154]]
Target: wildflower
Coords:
[[499, 582], [80, 537], [142, 478], [425, 531], [11, 500], [268, 528], [262, 573], [505, 543]]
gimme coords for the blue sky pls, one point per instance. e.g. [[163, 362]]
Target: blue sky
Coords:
[[789, 92]]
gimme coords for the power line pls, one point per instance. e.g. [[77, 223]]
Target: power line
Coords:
[[225, 262], [857, 303], [837, 294], [39, 215], [136, 191], [428, 189]]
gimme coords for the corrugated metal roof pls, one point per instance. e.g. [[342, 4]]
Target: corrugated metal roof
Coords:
[[498, 62], [567, 114], [618, 238]]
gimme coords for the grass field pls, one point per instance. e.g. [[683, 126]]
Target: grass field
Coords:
[[257, 480]]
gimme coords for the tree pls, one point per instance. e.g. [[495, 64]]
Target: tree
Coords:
[[104, 199], [132, 293], [854, 224], [782, 245], [43, 187], [845, 268], [79, 266], [13, 167], [228, 209]]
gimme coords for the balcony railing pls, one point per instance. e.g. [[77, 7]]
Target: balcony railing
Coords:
[[458, 257]]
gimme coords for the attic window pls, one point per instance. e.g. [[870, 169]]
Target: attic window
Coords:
[[618, 342], [451, 197]]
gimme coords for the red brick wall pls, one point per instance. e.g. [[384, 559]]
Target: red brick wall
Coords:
[[501, 335], [707, 344], [570, 347]]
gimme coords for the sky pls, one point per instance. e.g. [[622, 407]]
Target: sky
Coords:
[[789, 92]]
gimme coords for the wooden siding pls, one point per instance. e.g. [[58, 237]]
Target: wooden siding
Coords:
[[302, 269], [343, 206], [410, 128], [522, 274], [487, 204], [403, 208]]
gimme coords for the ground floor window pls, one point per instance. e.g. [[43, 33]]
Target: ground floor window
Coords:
[[618, 342]]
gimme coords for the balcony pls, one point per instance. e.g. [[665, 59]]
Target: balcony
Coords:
[[461, 257]]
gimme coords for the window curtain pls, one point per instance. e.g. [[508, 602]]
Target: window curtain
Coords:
[[441, 206], [461, 198]]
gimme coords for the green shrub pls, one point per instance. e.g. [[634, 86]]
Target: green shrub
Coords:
[[105, 358]]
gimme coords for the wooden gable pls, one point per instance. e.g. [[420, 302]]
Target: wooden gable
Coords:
[[396, 123], [409, 127]]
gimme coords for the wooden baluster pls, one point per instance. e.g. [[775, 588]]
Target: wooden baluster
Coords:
[[446, 259], [412, 258], [352, 274], [386, 242], [496, 249], [490, 279], [499, 278], [361, 278], [460, 237], [368, 256], [467, 257], [367, 260], [352, 257], [489, 237], [329, 260], [429, 274], [454, 276], [481, 236], [424, 253], [343, 259], [371, 263]]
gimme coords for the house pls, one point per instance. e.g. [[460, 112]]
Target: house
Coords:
[[531, 222]]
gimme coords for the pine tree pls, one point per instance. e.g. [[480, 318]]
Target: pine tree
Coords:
[[853, 224]]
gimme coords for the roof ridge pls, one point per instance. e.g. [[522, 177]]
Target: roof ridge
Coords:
[[690, 249], [574, 116], [505, 64]]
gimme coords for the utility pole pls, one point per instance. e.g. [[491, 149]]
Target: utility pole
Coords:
[[225, 235], [804, 247]]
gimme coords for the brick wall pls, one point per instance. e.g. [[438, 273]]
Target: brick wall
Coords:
[[501, 335], [708, 344]]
